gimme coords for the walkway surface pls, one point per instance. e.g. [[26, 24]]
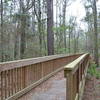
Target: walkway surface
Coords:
[[52, 89]]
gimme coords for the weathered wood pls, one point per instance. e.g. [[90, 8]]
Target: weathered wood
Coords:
[[73, 65], [27, 89], [75, 74], [25, 62], [19, 77]]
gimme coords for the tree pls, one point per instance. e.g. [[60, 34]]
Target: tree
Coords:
[[50, 35], [91, 18], [2, 33], [64, 15], [95, 33]]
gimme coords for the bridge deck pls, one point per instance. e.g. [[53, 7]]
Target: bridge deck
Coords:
[[20, 77], [52, 89]]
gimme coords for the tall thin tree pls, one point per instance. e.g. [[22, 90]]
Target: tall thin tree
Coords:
[[50, 35], [2, 35], [95, 33]]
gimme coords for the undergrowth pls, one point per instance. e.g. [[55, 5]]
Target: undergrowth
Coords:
[[93, 71]]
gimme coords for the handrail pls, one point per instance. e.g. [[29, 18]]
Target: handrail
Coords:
[[24, 62], [19, 77], [75, 74], [73, 64]]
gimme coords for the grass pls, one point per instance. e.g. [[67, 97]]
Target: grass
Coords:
[[93, 71]]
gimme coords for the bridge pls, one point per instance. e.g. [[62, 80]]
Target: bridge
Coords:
[[20, 79]]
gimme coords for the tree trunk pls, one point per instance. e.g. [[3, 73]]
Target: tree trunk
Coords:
[[23, 37], [50, 35], [95, 33], [69, 42], [17, 43], [23, 19], [40, 26], [2, 33], [64, 15]]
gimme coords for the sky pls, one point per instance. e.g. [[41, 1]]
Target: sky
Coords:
[[77, 9]]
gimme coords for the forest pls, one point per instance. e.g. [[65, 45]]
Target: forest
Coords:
[[34, 28]]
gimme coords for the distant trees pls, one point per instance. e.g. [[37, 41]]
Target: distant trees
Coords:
[[31, 28], [91, 18]]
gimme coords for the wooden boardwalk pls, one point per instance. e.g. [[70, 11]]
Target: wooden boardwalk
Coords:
[[52, 89], [44, 78]]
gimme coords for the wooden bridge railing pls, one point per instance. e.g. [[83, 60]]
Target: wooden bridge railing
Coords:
[[75, 74], [19, 77]]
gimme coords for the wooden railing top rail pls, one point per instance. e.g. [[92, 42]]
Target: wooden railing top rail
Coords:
[[74, 65], [24, 62], [75, 74]]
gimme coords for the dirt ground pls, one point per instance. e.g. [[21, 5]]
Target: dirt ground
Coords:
[[92, 89]]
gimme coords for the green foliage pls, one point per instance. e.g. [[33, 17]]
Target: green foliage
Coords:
[[6, 1], [93, 71], [61, 50], [61, 28]]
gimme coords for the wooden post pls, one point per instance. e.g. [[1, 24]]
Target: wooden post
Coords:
[[75, 74], [69, 84]]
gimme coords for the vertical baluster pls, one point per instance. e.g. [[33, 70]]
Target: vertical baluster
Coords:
[[27, 75], [21, 78], [12, 77], [18, 78], [9, 83], [36, 72], [4, 85], [5, 80], [1, 85], [78, 80], [33, 68], [75, 84], [47, 68], [31, 74], [14, 81], [32, 77], [42, 70], [39, 72]]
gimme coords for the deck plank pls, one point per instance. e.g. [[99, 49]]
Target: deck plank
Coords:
[[52, 89]]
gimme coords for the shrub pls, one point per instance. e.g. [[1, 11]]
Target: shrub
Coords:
[[93, 71]]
